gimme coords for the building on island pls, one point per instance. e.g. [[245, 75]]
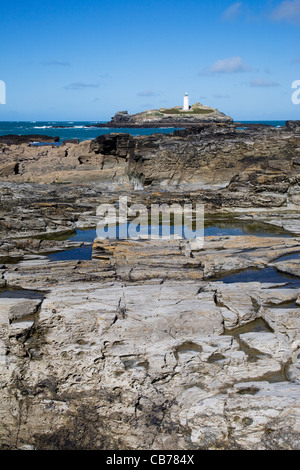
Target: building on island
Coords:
[[186, 102]]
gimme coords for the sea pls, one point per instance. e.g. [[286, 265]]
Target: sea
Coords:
[[86, 130]]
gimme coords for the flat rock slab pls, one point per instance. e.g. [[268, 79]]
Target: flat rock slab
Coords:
[[15, 308], [290, 267], [148, 358]]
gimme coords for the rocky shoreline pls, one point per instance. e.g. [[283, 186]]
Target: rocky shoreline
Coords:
[[152, 344]]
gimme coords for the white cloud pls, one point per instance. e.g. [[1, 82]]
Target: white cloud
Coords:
[[60, 63], [81, 86], [232, 12], [261, 83], [289, 10], [147, 93], [230, 65]]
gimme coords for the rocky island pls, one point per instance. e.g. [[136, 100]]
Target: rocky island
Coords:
[[175, 117], [152, 344], [166, 117]]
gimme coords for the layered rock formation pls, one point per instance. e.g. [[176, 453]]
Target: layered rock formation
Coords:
[[207, 156], [152, 344]]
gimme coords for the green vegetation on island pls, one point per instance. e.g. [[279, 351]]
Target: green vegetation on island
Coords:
[[191, 111]]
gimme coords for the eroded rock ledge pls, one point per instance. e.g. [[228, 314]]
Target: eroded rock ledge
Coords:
[[150, 344], [208, 156]]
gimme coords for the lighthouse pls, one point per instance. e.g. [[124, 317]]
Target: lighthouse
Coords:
[[186, 102]]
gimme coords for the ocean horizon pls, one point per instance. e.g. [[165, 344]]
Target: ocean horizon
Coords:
[[84, 130]]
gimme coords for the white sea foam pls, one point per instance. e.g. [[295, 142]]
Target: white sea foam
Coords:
[[79, 127], [82, 127]]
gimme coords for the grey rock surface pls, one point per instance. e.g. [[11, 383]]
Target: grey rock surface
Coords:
[[152, 344]]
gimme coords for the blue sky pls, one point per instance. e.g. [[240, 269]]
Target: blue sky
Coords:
[[74, 60]]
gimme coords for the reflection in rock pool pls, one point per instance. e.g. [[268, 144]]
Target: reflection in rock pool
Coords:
[[266, 275]]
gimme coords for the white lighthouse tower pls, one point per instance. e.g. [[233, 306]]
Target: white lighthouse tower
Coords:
[[186, 102]]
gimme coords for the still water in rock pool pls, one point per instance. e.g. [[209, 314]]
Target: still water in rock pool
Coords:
[[213, 228], [20, 293], [266, 275]]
